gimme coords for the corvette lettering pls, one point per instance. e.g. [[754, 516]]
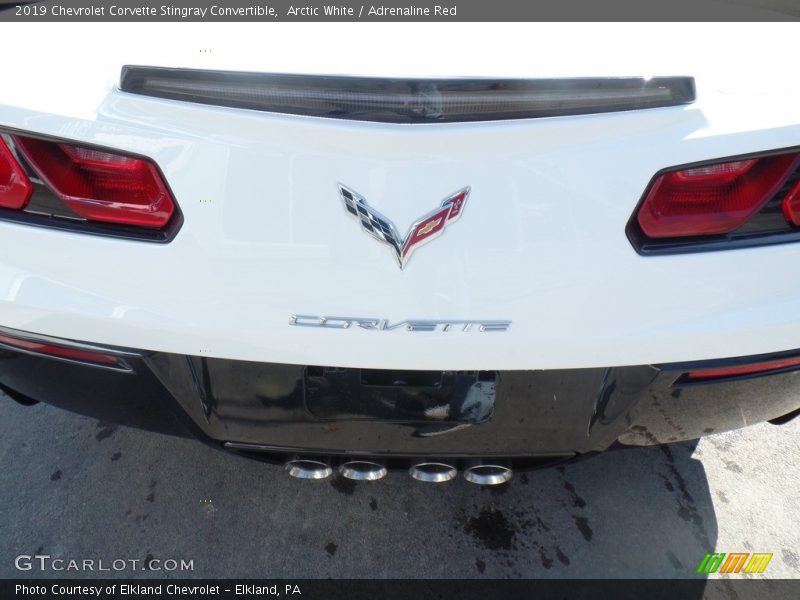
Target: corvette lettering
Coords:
[[407, 324], [422, 231]]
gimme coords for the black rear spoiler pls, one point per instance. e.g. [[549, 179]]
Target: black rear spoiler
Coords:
[[385, 100]]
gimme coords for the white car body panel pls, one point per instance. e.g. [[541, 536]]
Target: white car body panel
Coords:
[[541, 242]]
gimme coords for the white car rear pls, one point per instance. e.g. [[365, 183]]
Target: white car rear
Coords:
[[277, 306]]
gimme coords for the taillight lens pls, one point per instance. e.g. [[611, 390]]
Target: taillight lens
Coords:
[[791, 205], [712, 199], [741, 370], [100, 185], [15, 187], [60, 351]]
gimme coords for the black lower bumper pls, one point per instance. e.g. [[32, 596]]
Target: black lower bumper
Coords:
[[275, 410]]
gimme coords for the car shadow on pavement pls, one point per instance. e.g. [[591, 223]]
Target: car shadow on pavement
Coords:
[[87, 490]]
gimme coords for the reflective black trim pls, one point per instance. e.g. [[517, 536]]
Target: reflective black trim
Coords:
[[46, 210], [132, 399], [768, 227], [395, 100], [539, 416]]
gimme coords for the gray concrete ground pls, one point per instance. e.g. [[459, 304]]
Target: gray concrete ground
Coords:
[[74, 488]]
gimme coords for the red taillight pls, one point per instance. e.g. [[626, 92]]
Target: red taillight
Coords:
[[60, 351], [791, 205], [748, 369], [100, 185], [712, 199], [15, 187]]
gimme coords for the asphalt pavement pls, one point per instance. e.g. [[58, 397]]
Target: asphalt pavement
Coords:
[[76, 489]]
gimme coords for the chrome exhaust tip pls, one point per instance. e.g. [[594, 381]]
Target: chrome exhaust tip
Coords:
[[433, 471], [488, 473], [362, 470], [307, 468]]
